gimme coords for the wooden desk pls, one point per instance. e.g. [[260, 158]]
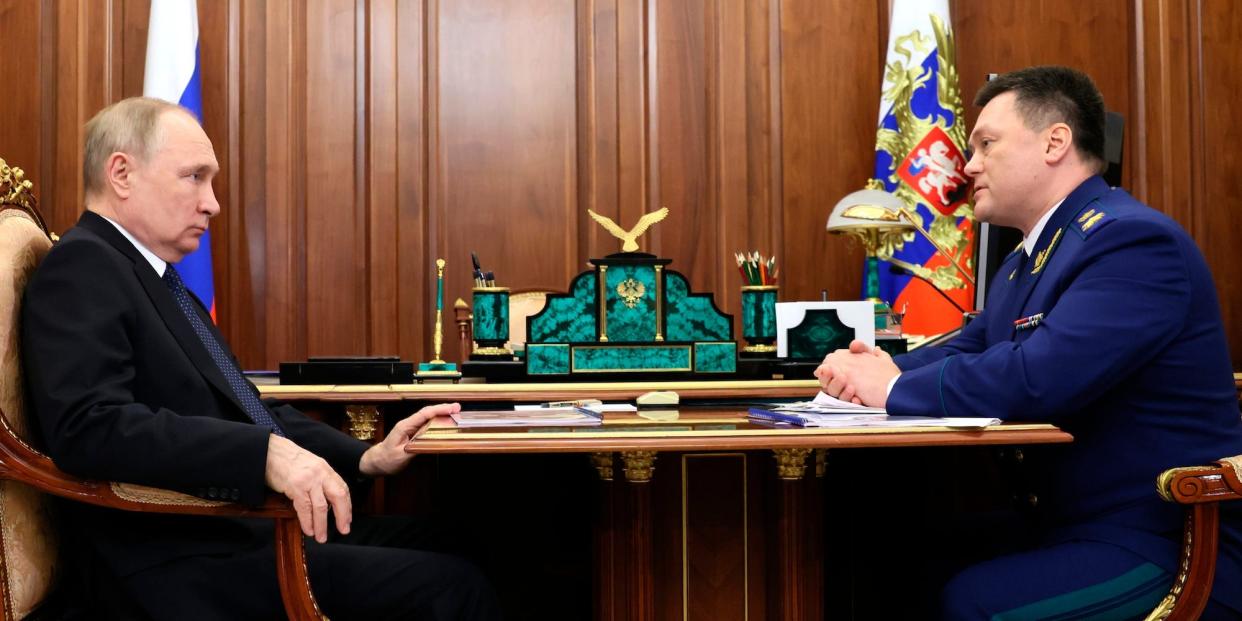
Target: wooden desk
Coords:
[[704, 517], [361, 411], [644, 572]]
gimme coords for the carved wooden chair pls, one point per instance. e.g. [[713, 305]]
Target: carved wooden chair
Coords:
[[28, 543], [1201, 489]]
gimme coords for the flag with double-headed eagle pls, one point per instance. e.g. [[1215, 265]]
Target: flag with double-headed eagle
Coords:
[[920, 156], [172, 75]]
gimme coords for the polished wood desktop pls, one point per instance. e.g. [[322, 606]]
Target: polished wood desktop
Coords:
[[714, 428]]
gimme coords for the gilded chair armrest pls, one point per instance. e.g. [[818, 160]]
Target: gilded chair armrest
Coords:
[[1200, 484]]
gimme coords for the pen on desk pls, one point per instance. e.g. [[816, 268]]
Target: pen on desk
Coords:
[[589, 412], [575, 403]]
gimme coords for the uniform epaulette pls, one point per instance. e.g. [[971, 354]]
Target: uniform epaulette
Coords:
[[1090, 221]]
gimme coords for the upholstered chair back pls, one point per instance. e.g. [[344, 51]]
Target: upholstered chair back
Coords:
[[27, 538]]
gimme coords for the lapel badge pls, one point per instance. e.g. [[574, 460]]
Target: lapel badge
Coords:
[[1027, 323], [1042, 256]]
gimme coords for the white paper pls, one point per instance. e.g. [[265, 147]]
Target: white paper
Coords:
[[605, 407], [902, 421], [825, 404], [539, 417]]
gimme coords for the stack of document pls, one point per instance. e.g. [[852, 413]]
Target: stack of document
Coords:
[[561, 414], [827, 411], [536, 417]]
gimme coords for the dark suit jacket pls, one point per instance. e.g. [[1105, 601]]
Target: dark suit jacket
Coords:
[[124, 390], [1129, 355]]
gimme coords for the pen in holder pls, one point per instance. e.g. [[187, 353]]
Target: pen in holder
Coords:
[[759, 319], [491, 323]]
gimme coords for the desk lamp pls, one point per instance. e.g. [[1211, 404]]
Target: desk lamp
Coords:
[[877, 219], [880, 220]]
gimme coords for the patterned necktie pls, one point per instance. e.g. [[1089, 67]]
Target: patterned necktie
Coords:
[[245, 393]]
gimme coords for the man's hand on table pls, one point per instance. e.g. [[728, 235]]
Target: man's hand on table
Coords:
[[860, 374], [389, 456]]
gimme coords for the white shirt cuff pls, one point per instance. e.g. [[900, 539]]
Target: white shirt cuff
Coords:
[[891, 382]]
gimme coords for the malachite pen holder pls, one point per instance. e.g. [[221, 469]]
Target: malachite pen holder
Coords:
[[491, 321], [759, 319]]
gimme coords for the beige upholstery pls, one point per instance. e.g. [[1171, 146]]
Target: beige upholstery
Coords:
[[26, 535]]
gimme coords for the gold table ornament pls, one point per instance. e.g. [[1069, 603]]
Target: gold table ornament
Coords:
[[438, 368]]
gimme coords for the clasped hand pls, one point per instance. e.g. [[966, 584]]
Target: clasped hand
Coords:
[[859, 374], [314, 487]]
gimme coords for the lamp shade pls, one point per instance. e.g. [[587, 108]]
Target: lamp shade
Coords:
[[868, 209]]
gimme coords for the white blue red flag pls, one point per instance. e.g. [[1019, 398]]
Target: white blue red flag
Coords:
[[920, 156], [172, 75]]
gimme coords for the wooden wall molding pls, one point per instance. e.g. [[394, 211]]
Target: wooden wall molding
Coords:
[[362, 139]]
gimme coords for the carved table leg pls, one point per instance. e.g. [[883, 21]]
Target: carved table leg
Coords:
[[635, 592], [604, 600], [794, 601], [813, 552]]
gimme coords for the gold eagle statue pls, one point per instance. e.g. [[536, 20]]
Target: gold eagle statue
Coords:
[[629, 236]]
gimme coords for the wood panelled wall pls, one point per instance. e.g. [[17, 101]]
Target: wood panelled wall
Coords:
[[362, 139]]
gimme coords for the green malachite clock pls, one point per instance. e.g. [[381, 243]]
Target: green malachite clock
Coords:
[[630, 314]]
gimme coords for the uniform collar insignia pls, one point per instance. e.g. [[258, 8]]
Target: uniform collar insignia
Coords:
[[1041, 257]]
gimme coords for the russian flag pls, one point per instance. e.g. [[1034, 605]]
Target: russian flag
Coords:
[[172, 75], [920, 156]]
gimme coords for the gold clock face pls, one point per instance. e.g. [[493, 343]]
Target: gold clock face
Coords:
[[630, 291]]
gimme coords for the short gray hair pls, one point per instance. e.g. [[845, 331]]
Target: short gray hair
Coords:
[[128, 126]]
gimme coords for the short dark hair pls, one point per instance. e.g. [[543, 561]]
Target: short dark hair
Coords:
[[1051, 94]]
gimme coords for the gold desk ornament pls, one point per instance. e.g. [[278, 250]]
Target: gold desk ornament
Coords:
[[438, 368], [628, 237], [631, 291]]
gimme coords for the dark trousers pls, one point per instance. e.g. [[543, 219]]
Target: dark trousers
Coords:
[[384, 569], [1069, 580]]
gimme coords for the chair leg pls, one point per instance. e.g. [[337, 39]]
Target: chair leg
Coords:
[[1193, 585], [295, 587]]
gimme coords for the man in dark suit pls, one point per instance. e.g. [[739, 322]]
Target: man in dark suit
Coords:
[[131, 382], [1105, 322]]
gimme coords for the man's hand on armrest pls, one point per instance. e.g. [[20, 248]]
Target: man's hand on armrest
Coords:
[[389, 456], [311, 484]]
